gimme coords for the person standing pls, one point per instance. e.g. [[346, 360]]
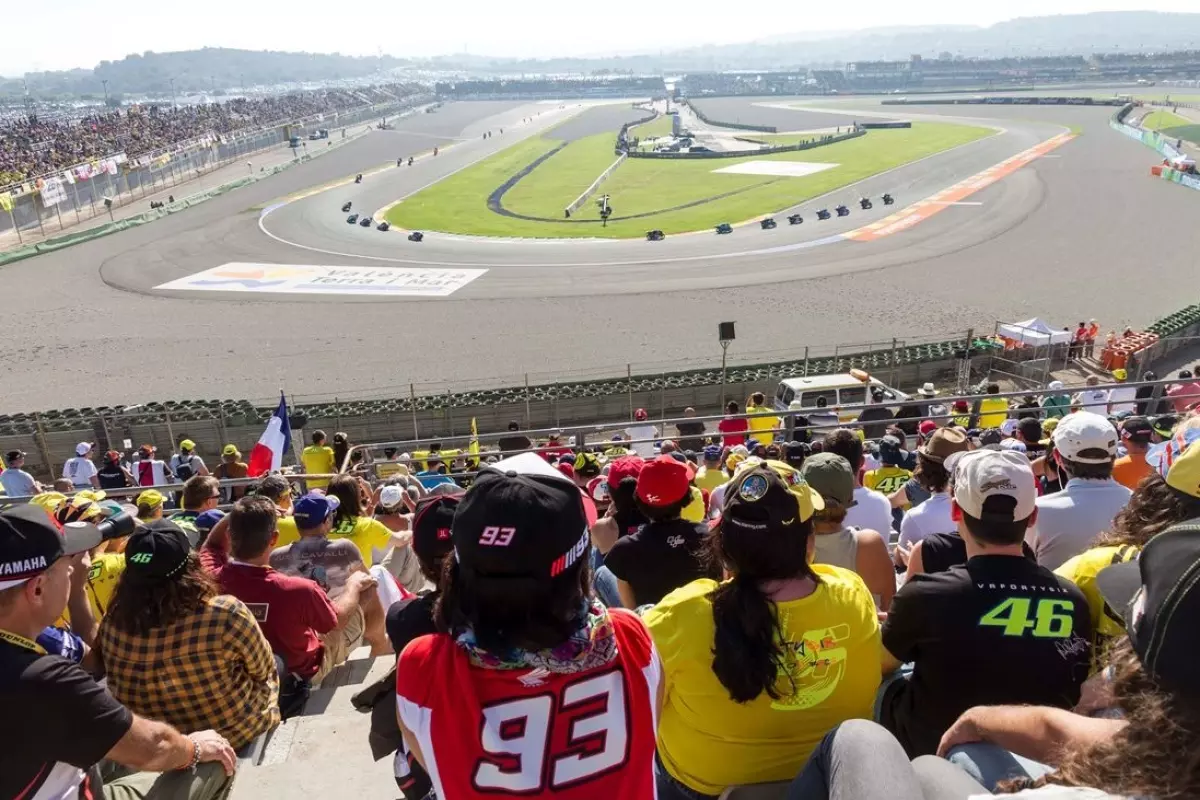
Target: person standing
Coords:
[[515, 441], [112, 474], [877, 415], [15, 480], [691, 432], [1091, 398], [1122, 399], [1056, 403], [765, 423], [732, 428], [642, 435], [870, 510], [80, 470], [186, 463], [149, 470], [232, 466], [993, 410], [318, 460]]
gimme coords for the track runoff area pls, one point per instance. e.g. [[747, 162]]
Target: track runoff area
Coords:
[[523, 190]]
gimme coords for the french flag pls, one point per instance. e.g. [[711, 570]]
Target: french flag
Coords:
[[276, 440]]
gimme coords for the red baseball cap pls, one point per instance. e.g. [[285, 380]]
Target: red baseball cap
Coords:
[[625, 467], [927, 427], [664, 481], [640, 414]]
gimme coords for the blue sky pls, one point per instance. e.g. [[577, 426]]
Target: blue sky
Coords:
[[91, 31]]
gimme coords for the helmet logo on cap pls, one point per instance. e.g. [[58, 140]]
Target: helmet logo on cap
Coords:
[[754, 488], [497, 537]]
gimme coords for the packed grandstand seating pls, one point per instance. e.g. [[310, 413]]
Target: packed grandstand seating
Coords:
[[551, 87], [915, 595], [33, 145]]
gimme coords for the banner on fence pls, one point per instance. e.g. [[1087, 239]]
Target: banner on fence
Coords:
[[311, 279], [52, 191]]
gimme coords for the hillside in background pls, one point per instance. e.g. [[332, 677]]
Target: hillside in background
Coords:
[[196, 70]]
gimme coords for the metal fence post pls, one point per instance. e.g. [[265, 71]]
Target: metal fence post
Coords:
[[337, 414], [170, 430], [528, 415], [450, 410], [892, 364], [662, 396], [412, 395], [806, 361], [629, 387], [41, 443]]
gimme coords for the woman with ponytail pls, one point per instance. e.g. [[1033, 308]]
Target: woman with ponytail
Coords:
[[759, 667]]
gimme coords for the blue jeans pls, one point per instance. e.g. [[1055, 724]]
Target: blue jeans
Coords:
[[670, 789], [990, 764], [604, 583]]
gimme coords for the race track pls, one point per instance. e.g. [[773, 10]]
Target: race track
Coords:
[[1083, 232]]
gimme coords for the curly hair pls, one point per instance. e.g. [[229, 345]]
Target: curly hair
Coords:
[[1156, 755], [138, 608], [1154, 507], [930, 474]]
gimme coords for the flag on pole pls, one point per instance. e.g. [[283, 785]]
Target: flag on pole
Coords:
[[473, 445], [276, 440]]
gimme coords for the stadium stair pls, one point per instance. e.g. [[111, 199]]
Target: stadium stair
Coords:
[[323, 752]]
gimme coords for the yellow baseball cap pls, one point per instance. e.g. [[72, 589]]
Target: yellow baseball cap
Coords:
[[694, 511], [1120, 374], [95, 495], [149, 500], [187, 444], [50, 501], [230, 450]]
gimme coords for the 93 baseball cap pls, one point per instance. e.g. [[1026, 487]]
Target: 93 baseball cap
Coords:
[[30, 543], [1159, 597], [521, 518]]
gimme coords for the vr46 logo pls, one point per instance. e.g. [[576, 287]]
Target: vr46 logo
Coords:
[[140, 558], [1052, 618]]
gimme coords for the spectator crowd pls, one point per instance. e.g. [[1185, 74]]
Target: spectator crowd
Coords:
[[937, 601], [31, 146]]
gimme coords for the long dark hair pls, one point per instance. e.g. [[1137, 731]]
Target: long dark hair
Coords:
[[345, 489], [139, 608], [623, 502], [1154, 507], [1156, 755], [507, 612], [748, 649], [341, 446]]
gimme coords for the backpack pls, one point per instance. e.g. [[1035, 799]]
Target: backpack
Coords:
[[185, 469]]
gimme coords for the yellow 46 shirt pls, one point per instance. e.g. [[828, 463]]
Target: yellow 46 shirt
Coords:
[[707, 741], [1107, 623], [372, 538]]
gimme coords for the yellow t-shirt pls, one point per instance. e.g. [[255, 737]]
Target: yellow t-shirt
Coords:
[[709, 479], [886, 479], [102, 580], [288, 532], [1107, 624], [707, 741], [992, 412], [318, 461], [369, 535], [760, 424]]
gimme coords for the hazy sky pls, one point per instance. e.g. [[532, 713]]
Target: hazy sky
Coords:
[[90, 31]]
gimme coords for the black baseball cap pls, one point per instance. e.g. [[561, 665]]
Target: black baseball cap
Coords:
[[13, 455], [31, 542], [1158, 595], [769, 497], [431, 526], [1137, 429], [156, 552], [521, 518]]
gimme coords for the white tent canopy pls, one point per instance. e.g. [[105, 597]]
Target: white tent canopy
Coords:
[[1033, 332]]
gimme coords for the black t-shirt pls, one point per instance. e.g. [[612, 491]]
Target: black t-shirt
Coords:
[[659, 558], [879, 415], [941, 551], [62, 724], [691, 435], [997, 631], [111, 476], [407, 621], [514, 441]]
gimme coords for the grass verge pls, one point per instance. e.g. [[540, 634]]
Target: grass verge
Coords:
[[459, 203]]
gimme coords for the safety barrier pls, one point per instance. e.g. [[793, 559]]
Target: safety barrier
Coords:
[[1151, 139], [1006, 101], [622, 144], [832, 138], [588, 192], [880, 126], [734, 125]]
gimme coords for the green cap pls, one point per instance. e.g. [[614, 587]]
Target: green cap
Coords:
[[832, 476]]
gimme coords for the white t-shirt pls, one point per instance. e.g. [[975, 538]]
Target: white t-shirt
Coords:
[[79, 471], [1094, 400], [1123, 398], [716, 499], [643, 449], [872, 511], [194, 462], [932, 516]]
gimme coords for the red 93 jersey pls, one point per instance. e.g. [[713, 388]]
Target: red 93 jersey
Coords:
[[530, 733]]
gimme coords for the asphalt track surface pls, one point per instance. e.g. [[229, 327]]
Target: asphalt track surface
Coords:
[[1085, 232]]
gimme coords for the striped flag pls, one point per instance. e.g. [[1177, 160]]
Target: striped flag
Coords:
[[276, 440]]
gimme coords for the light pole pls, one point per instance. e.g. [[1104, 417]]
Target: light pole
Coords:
[[725, 335], [173, 105], [105, 82]]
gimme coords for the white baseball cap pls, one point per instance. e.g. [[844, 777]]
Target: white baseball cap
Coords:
[[391, 495], [1085, 432], [981, 474], [83, 448], [1013, 445], [1008, 427]]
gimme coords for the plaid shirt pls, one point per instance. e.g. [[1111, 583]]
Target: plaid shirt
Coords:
[[213, 669]]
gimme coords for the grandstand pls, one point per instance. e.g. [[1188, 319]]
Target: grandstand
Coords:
[[532, 88]]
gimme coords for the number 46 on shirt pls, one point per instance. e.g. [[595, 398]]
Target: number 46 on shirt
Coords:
[[1052, 619]]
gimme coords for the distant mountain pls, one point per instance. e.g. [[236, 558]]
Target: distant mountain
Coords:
[[196, 70]]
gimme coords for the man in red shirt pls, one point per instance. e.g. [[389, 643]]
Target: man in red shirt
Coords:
[[308, 631], [733, 430], [1185, 395], [535, 690]]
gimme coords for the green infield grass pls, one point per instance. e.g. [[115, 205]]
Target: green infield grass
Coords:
[[655, 188], [660, 126], [1172, 126]]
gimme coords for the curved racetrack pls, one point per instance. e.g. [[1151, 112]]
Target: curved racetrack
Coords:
[[1082, 233]]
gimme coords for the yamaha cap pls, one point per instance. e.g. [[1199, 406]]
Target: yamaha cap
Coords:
[[30, 543]]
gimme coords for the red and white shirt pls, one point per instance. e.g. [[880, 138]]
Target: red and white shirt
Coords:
[[529, 733]]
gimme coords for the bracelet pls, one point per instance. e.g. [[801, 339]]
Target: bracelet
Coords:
[[195, 761]]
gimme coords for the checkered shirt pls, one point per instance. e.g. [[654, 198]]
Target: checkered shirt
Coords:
[[213, 669]]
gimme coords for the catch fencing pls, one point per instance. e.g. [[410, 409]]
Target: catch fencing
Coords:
[[55, 201]]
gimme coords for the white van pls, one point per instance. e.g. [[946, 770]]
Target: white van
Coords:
[[843, 389]]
